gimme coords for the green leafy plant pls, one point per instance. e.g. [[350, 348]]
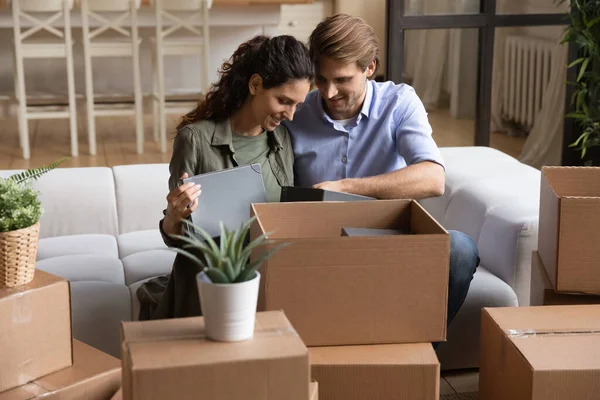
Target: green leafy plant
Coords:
[[584, 31], [228, 261], [20, 206]]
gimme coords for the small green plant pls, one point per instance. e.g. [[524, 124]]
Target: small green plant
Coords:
[[227, 262], [584, 31], [20, 206]]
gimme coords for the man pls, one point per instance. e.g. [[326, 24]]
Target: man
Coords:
[[358, 136]]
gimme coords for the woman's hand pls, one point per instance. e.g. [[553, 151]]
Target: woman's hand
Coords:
[[181, 202]]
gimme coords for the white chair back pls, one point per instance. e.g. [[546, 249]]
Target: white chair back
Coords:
[[111, 5], [43, 5], [185, 5]]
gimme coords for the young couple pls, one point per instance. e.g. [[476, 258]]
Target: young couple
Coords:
[[351, 135]]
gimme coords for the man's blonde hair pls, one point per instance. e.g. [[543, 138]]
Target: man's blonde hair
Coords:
[[342, 37]]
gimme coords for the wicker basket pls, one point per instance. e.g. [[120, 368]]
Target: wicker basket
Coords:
[[18, 250]]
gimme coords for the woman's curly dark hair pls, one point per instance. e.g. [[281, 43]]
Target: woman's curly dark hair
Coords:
[[277, 60]]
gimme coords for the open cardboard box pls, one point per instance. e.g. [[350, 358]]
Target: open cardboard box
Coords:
[[341, 290], [569, 230]]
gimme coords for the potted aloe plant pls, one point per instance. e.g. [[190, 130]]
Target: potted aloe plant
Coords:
[[228, 284], [20, 212]]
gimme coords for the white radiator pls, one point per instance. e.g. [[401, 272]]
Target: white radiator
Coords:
[[527, 67]]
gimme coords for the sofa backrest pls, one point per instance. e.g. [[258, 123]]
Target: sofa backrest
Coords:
[[141, 191], [76, 201]]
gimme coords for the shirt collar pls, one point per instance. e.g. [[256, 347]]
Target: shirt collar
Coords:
[[223, 136], [366, 107]]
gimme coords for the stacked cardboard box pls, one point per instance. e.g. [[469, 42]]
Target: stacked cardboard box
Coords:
[[38, 357], [568, 228], [552, 351], [368, 306], [172, 359], [543, 294], [540, 353], [94, 375]]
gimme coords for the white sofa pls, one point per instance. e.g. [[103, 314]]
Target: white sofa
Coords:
[[100, 231]]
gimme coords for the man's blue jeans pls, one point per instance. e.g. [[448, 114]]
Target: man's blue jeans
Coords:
[[464, 259]]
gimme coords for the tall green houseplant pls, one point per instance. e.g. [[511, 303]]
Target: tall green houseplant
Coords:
[[584, 32]]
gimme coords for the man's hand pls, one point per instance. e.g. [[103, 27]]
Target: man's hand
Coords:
[[334, 186]]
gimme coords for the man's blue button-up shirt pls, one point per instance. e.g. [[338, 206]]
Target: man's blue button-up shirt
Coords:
[[390, 132]]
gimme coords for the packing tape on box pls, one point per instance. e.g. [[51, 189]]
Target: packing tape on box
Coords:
[[525, 333]]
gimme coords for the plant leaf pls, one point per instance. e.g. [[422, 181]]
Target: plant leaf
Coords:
[[216, 275], [36, 172], [211, 257], [578, 61], [246, 275], [583, 69], [229, 271], [204, 234], [188, 255]]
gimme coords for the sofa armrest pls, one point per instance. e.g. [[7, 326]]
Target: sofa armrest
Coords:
[[508, 236]]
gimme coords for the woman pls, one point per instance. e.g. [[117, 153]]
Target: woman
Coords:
[[237, 123]]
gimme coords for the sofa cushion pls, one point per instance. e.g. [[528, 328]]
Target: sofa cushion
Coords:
[[84, 268], [97, 311], [77, 201], [507, 237], [102, 245], [462, 347], [139, 241], [146, 264], [141, 192]]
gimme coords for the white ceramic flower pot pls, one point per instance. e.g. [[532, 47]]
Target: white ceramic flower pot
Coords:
[[229, 310]]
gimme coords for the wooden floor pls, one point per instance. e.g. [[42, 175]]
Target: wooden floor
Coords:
[[116, 141]]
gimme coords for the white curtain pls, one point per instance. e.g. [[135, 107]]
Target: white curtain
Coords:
[[544, 144]]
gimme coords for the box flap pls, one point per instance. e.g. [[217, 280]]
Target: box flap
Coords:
[[181, 342], [389, 354], [574, 181], [282, 221]]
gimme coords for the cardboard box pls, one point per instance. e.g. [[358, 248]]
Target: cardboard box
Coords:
[[540, 353], [94, 375], [35, 330], [568, 228], [172, 359], [394, 371], [542, 293], [340, 290], [313, 392]]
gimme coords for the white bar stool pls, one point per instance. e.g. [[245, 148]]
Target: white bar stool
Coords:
[[186, 15], [111, 17], [42, 15]]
